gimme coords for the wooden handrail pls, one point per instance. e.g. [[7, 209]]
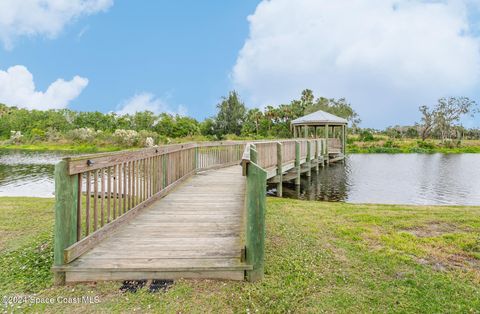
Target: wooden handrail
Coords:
[[97, 193]]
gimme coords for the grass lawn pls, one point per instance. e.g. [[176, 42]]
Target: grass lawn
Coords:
[[320, 257]]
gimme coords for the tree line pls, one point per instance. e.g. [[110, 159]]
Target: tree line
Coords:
[[443, 121], [232, 120]]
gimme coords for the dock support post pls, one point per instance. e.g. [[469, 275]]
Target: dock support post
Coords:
[[297, 162], [66, 192], [279, 170], [317, 154], [308, 162], [255, 227]]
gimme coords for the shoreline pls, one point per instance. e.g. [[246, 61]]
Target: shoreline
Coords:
[[351, 149]]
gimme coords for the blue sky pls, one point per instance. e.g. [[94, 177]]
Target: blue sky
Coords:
[[386, 57], [180, 51]]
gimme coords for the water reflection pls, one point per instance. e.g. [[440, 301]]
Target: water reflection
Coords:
[[395, 179], [27, 173], [374, 178]]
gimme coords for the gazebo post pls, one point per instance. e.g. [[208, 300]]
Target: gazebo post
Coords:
[[326, 143], [294, 131], [305, 131]]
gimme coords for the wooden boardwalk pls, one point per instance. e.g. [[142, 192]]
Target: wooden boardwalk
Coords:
[[193, 232], [194, 210]]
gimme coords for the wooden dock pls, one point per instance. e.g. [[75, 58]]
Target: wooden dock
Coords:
[[193, 232], [191, 210]]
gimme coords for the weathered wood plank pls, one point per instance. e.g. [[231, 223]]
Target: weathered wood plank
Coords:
[[79, 248]]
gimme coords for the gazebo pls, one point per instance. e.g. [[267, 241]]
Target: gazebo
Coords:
[[327, 125]]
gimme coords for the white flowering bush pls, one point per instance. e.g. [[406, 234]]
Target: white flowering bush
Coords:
[[149, 142], [83, 134], [16, 137], [126, 137], [53, 135], [147, 138]]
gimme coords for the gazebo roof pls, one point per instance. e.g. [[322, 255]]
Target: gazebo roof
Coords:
[[319, 118]]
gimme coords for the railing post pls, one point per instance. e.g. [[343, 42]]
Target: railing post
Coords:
[[327, 157], [279, 170], [195, 158], [164, 170], [317, 149], [253, 153], [297, 162], [66, 192], [255, 222], [322, 151], [308, 162]]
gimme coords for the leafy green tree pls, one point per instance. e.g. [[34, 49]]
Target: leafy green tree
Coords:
[[449, 112], [208, 127], [339, 107], [445, 117], [143, 120], [427, 124], [231, 115]]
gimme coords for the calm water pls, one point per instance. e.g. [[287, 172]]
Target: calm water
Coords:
[[375, 178], [27, 173], [396, 179]]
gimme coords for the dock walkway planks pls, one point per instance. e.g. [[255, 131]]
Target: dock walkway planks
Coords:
[[193, 232]]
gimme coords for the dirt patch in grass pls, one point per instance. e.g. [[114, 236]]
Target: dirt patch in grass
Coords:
[[445, 262], [432, 229]]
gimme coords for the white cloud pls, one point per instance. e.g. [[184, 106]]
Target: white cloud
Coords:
[[17, 88], [146, 101], [42, 17], [386, 56]]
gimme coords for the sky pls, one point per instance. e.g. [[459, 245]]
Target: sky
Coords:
[[386, 57]]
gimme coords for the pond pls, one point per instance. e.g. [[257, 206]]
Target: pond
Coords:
[[420, 179], [28, 173], [435, 179]]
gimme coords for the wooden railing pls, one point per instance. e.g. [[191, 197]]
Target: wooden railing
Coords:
[[261, 161], [334, 145], [95, 194]]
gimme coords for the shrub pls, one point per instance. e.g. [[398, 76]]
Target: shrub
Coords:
[[16, 137], [52, 135], [147, 138], [126, 137], [83, 134], [366, 136], [425, 145], [37, 134], [389, 144]]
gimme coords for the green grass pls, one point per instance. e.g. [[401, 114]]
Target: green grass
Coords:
[[67, 147], [320, 257], [380, 144]]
